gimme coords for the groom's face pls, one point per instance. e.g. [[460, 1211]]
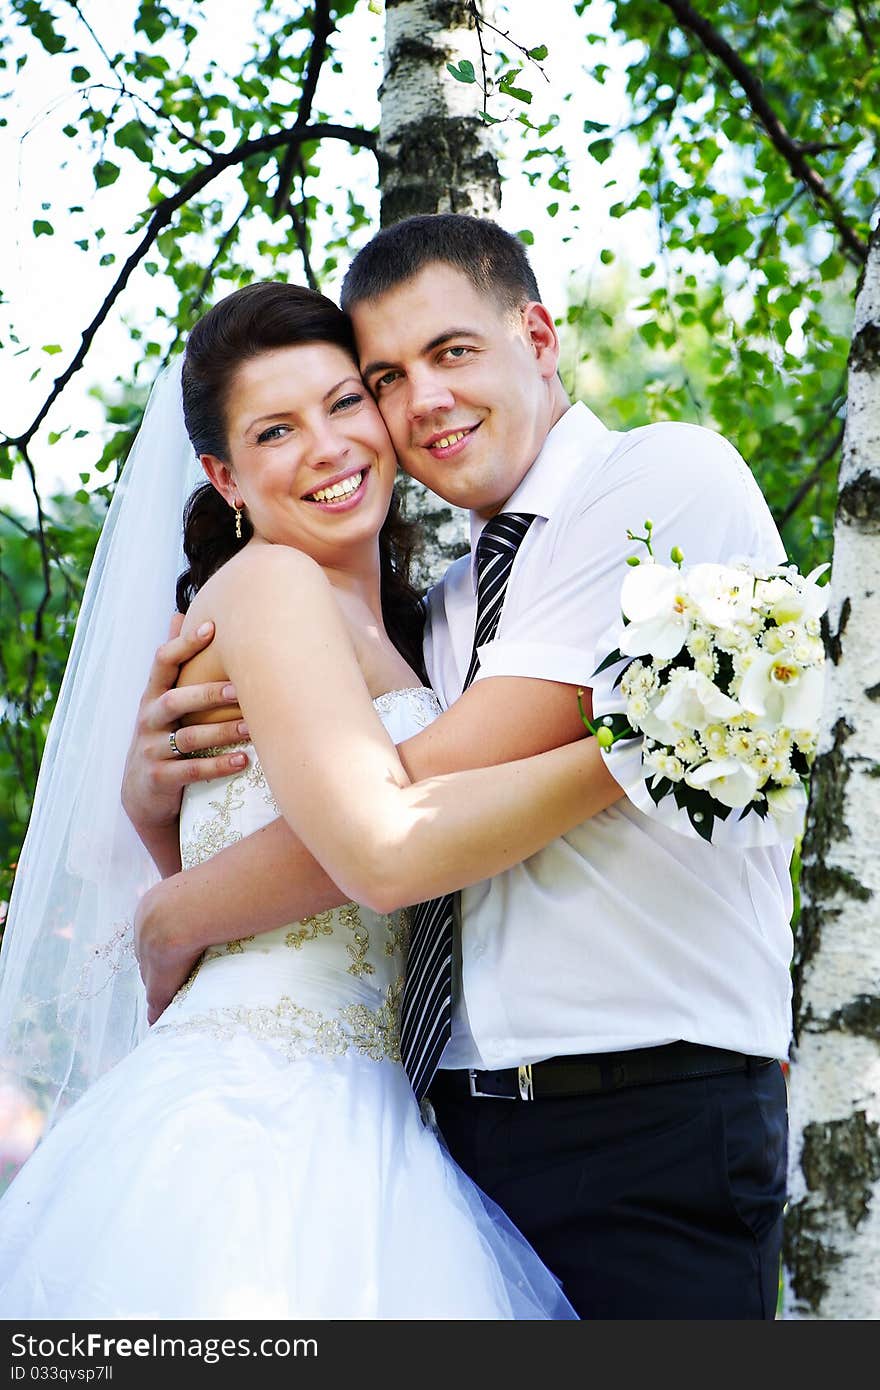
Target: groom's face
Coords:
[[465, 384]]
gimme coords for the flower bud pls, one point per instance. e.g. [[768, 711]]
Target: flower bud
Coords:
[[633, 560], [604, 737], [676, 555]]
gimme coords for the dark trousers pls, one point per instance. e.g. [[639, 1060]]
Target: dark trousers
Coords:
[[657, 1201]]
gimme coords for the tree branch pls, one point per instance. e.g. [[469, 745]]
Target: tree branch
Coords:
[[791, 151], [162, 215], [301, 231], [217, 257], [862, 24], [322, 27], [155, 111]]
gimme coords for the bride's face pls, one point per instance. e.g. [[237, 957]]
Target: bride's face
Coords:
[[309, 456]]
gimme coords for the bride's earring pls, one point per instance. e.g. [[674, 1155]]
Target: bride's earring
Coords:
[[238, 523]]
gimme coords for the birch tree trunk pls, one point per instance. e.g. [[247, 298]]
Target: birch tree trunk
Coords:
[[435, 154], [832, 1249]]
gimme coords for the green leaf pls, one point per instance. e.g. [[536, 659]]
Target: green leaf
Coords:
[[105, 173], [79, 74], [527, 237], [464, 72], [539, 53], [43, 228], [133, 136], [51, 349]]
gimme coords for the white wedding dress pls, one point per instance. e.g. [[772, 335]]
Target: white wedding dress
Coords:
[[260, 1153]]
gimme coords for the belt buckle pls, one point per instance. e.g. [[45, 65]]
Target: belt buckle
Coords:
[[481, 1095]]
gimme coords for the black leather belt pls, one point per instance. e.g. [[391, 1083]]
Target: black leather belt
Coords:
[[559, 1077]]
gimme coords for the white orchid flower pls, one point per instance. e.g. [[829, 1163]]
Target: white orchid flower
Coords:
[[788, 597], [689, 702], [726, 779], [779, 690], [653, 598], [721, 594], [664, 764]]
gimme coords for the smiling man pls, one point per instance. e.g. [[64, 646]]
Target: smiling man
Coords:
[[607, 1016]]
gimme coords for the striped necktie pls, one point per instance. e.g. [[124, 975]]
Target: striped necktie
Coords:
[[426, 1008]]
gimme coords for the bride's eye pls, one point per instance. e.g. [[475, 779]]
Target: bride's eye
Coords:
[[273, 432], [345, 402]]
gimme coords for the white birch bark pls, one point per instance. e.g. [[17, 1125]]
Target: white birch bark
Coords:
[[832, 1249], [435, 154]]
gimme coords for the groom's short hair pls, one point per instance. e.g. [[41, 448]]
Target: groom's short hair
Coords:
[[494, 261]]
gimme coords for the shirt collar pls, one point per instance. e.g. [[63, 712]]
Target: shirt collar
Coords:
[[574, 436]]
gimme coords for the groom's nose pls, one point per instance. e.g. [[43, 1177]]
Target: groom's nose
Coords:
[[427, 392]]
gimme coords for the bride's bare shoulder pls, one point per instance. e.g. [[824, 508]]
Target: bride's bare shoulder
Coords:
[[258, 573]]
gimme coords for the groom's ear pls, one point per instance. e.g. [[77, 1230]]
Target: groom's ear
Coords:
[[540, 329], [220, 474]]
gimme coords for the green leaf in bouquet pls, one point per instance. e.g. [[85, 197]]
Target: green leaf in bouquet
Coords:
[[658, 788], [701, 808], [611, 659]]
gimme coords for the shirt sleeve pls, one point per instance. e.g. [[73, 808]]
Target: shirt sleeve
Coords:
[[700, 496]]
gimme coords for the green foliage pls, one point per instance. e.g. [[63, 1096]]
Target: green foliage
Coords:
[[41, 583], [760, 171]]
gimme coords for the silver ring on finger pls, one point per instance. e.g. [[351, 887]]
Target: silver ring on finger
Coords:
[[172, 739]]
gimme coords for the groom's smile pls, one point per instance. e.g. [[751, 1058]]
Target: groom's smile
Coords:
[[449, 442]]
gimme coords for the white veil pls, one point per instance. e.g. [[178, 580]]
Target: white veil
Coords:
[[71, 998]]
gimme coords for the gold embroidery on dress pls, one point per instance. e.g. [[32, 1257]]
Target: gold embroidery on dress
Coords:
[[397, 929], [310, 928], [299, 1032], [349, 916], [228, 948], [422, 703], [216, 831]]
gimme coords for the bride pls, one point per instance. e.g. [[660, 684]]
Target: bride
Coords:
[[259, 1152]]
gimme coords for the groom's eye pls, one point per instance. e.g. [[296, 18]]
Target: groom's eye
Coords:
[[456, 352], [384, 380]]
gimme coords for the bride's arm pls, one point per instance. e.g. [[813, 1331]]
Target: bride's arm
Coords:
[[336, 774]]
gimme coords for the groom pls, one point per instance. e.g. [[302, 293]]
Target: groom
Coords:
[[620, 997]]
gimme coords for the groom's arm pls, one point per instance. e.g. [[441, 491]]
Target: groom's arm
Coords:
[[269, 879]]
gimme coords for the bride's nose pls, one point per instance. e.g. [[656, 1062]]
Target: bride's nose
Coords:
[[327, 447]]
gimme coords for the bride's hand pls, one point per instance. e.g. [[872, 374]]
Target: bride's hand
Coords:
[[155, 775], [165, 962]]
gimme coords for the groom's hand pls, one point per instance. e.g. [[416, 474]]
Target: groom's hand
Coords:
[[155, 775]]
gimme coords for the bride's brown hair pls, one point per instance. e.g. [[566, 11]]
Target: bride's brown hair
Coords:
[[254, 320]]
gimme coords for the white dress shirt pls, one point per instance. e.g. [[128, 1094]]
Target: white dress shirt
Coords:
[[624, 933]]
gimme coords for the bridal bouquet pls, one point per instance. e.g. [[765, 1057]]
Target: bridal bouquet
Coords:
[[723, 679]]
